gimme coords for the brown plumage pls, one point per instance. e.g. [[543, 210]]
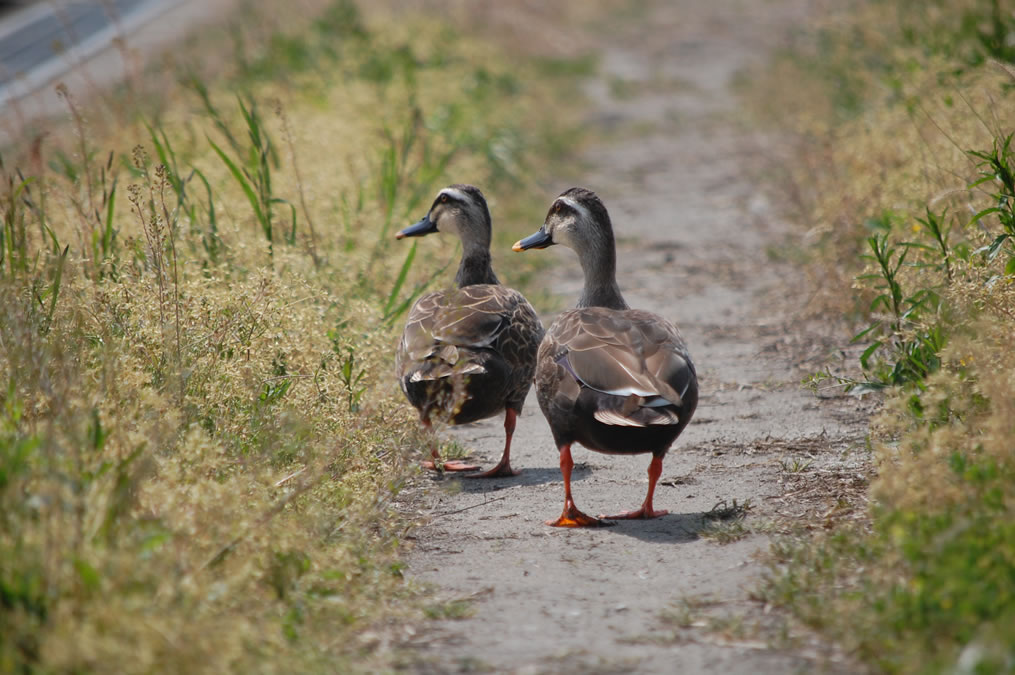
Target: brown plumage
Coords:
[[469, 352], [616, 380]]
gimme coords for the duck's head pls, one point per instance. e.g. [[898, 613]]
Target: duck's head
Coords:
[[577, 219], [460, 209]]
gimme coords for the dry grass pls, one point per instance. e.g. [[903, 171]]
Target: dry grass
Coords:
[[200, 436], [885, 106]]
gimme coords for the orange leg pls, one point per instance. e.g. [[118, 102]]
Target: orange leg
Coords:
[[655, 469], [571, 517], [434, 464], [503, 468]]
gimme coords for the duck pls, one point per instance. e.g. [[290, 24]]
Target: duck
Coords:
[[613, 379], [469, 352]]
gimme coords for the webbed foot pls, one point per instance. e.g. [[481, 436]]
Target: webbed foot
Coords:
[[572, 517]]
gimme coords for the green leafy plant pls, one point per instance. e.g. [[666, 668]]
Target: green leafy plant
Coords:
[[904, 341], [997, 168], [41, 275], [351, 375]]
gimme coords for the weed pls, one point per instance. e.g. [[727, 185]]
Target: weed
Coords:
[[725, 532], [452, 609], [997, 167], [447, 450], [21, 265], [729, 511], [687, 612], [252, 169], [724, 523], [14, 258], [912, 348], [351, 377], [96, 207], [795, 465], [159, 227], [167, 156], [287, 135]]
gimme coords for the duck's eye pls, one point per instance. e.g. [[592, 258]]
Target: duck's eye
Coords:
[[444, 199]]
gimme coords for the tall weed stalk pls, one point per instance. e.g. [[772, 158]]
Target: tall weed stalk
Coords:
[[159, 225], [96, 206]]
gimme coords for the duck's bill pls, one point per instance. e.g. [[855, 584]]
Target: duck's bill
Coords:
[[420, 229], [538, 240]]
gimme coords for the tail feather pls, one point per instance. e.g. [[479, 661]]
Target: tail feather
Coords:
[[436, 370], [642, 417]]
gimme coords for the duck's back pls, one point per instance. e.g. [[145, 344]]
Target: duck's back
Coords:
[[615, 380], [469, 351]]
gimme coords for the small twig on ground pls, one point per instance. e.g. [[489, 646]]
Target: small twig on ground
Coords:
[[483, 503], [290, 477]]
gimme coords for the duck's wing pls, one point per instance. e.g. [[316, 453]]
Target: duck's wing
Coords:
[[474, 316], [636, 358], [445, 326]]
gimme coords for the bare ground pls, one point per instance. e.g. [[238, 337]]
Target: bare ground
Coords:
[[675, 166]]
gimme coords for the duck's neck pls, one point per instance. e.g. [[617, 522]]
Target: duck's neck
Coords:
[[607, 295], [600, 267], [475, 268]]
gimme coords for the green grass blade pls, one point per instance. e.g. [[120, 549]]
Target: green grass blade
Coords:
[[54, 289], [400, 280], [212, 222], [202, 92], [984, 212], [241, 179], [291, 239], [390, 317], [108, 233]]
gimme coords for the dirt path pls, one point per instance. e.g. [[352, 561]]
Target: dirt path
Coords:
[[693, 232]]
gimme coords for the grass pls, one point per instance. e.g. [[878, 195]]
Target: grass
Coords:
[[202, 448], [903, 162], [724, 524]]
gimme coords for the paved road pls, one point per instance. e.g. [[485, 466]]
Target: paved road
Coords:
[[39, 41]]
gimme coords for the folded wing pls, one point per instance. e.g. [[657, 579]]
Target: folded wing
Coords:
[[444, 326], [636, 359]]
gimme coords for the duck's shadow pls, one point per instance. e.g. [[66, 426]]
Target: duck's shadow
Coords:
[[673, 528], [530, 476]]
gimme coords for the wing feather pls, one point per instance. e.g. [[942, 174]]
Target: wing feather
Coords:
[[632, 354]]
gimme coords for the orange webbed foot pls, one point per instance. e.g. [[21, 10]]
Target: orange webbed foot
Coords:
[[572, 517]]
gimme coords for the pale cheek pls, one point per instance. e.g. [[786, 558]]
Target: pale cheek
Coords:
[[562, 235], [449, 224], [439, 217]]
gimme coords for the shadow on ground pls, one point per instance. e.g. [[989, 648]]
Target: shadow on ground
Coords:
[[530, 476], [673, 528]]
